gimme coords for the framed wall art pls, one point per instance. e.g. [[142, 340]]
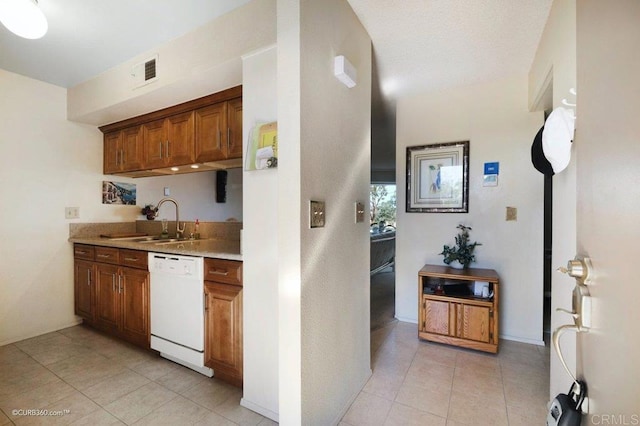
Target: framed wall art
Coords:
[[438, 178], [118, 193]]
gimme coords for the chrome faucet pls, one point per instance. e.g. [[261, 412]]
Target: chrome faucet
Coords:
[[179, 231]]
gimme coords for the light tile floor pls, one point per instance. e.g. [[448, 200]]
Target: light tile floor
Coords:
[[421, 383], [92, 379], [96, 380]]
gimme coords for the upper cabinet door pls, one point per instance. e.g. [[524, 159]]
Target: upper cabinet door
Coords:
[[132, 152], [112, 148], [210, 134], [180, 130], [155, 140], [234, 135]]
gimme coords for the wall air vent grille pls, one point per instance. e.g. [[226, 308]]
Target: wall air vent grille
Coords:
[[150, 70], [145, 72]]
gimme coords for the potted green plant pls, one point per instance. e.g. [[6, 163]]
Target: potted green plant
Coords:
[[462, 252]]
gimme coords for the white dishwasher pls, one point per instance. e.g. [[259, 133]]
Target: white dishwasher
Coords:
[[177, 309]]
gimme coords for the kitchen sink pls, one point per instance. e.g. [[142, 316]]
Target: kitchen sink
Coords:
[[148, 239], [157, 240], [176, 242]]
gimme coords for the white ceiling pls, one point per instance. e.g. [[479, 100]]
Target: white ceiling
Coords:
[[425, 45], [419, 45], [87, 37]]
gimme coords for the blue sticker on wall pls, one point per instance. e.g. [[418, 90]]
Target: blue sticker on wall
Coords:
[[492, 168]]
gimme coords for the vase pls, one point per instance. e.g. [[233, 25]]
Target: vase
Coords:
[[456, 265]]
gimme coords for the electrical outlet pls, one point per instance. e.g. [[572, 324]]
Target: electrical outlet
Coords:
[[71, 212], [359, 212], [512, 213], [316, 214]]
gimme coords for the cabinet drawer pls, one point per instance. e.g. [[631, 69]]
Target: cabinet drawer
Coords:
[[81, 251], [107, 255], [134, 258], [223, 271]]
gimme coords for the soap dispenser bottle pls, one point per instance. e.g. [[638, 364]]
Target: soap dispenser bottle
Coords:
[[196, 230]]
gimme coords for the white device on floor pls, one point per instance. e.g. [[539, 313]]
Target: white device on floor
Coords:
[[177, 309]]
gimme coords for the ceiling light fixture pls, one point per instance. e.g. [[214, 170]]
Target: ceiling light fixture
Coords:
[[23, 18]]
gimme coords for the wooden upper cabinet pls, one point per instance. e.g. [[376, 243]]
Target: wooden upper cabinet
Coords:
[[234, 123], [180, 130], [111, 154], [123, 150], [155, 138], [206, 129], [210, 142], [132, 155], [169, 142]]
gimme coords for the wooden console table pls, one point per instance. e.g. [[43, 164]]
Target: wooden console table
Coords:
[[448, 312]]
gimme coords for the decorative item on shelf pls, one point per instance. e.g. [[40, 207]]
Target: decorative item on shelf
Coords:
[[461, 255], [262, 147], [150, 211]]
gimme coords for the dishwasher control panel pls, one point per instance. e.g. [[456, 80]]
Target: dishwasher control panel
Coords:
[[175, 265]]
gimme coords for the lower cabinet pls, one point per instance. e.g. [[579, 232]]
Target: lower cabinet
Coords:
[[112, 297], [123, 302], [223, 320], [461, 320], [85, 289], [450, 312]]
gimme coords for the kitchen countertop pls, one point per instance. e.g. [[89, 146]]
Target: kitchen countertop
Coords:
[[212, 248]]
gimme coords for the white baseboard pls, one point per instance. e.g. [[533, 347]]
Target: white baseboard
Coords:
[[403, 319], [523, 340], [260, 410], [344, 410], [40, 333]]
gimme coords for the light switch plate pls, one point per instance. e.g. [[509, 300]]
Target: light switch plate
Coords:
[[512, 213], [71, 212], [316, 214], [359, 212]]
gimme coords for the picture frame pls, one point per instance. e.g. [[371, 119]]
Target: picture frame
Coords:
[[438, 178]]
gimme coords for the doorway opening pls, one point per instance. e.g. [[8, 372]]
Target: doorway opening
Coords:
[[548, 222], [547, 253], [382, 204]]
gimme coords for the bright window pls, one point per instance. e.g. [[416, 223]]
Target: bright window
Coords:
[[382, 207]]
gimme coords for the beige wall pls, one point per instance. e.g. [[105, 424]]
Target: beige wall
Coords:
[[290, 213], [196, 194], [46, 164], [555, 65], [260, 245], [495, 119], [324, 296], [608, 201], [201, 62]]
